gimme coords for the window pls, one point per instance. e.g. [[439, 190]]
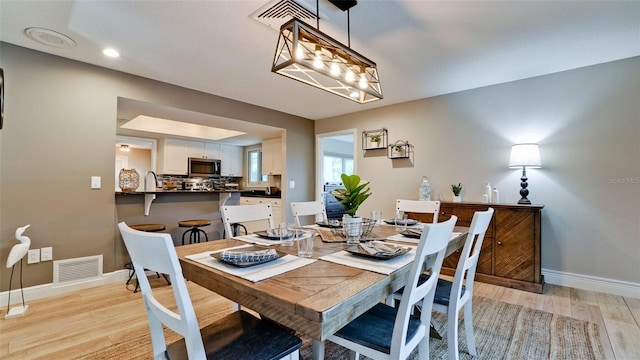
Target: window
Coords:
[[336, 165], [254, 161]]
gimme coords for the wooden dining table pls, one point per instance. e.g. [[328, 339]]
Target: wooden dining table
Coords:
[[317, 299]]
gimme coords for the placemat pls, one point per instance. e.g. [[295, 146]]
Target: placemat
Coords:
[[253, 273]]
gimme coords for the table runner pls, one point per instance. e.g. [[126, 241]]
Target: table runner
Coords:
[[253, 273]]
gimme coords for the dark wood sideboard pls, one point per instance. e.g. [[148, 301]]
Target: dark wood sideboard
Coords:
[[510, 254]]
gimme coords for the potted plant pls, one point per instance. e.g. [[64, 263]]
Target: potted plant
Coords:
[[374, 139], [353, 194], [351, 197], [456, 192]]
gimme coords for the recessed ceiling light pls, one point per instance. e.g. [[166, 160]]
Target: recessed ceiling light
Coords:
[[172, 127], [111, 52], [49, 37]]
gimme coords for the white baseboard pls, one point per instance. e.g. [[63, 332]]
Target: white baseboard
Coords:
[[579, 281], [47, 290], [593, 283]]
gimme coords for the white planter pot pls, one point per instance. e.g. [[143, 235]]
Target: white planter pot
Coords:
[[351, 225], [457, 199]]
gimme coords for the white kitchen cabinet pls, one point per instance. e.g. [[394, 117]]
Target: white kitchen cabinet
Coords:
[[272, 156], [276, 209], [231, 160], [172, 157], [203, 149]]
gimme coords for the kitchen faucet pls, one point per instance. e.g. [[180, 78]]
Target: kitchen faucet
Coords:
[[158, 183]]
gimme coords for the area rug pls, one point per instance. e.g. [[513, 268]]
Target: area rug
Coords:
[[502, 331]]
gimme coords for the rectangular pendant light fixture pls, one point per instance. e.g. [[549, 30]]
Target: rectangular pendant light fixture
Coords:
[[306, 54]]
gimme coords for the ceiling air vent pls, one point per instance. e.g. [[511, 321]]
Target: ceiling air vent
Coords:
[[277, 12]]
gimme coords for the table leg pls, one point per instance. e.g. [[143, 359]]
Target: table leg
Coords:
[[318, 350]]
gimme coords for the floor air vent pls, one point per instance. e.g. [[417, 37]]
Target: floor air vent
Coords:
[[77, 270], [277, 12]]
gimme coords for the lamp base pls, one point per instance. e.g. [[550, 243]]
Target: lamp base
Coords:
[[524, 192]]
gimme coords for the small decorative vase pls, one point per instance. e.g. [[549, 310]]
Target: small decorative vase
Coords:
[[457, 199], [375, 144], [129, 180]]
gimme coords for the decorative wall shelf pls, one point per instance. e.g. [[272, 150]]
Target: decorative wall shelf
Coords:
[[400, 149], [374, 139]]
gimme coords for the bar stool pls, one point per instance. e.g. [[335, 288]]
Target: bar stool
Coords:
[[194, 229], [129, 265]]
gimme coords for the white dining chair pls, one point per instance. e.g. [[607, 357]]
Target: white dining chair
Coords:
[[234, 214], [450, 296], [384, 332], [308, 208], [238, 335], [419, 206]]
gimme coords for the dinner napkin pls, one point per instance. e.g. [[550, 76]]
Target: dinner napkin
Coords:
[[379, 248], [415, 241], [235, 256]]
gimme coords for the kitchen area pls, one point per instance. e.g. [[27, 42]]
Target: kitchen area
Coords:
[[179, 179]]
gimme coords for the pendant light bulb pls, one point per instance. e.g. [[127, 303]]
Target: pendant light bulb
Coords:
[[350, 76], [335, 66], [317, 61], [355, 93], [299, 52], [363, 83]]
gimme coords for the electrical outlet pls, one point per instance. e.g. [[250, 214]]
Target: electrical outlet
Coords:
[[292, 184], [34, 256], [46, 254]]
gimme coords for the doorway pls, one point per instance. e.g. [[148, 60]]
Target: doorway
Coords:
[[335, 154]]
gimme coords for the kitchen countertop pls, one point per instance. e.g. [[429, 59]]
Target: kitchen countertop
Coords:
[[176, 192]]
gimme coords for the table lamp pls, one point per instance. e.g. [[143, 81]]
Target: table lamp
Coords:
[[525, 155]]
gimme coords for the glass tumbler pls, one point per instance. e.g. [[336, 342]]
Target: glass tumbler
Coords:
[[352, 232], [285, 232], [305, 240], [401, 224]]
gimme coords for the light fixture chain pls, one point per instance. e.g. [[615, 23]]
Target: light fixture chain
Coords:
[[348, 28], [318, 14]]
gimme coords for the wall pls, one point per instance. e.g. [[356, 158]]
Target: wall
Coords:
[[587, 122], [59, 130]]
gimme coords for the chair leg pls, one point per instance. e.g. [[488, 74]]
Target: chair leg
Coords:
[[452, 332], [468, 325], [167, 279]]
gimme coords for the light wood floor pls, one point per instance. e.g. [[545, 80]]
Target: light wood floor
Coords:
[[75, 324]]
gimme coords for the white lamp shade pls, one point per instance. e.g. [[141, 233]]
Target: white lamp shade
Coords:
[[525, 155]]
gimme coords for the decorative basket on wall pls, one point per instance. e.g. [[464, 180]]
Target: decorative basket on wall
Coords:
[[129, 180]]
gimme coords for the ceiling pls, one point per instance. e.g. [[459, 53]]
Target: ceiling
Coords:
[[422, 48]]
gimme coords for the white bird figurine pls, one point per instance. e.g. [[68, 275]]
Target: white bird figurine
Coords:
[[16, 254], [18, 251]]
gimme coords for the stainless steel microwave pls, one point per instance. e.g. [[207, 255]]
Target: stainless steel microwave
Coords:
[[204, 167]]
